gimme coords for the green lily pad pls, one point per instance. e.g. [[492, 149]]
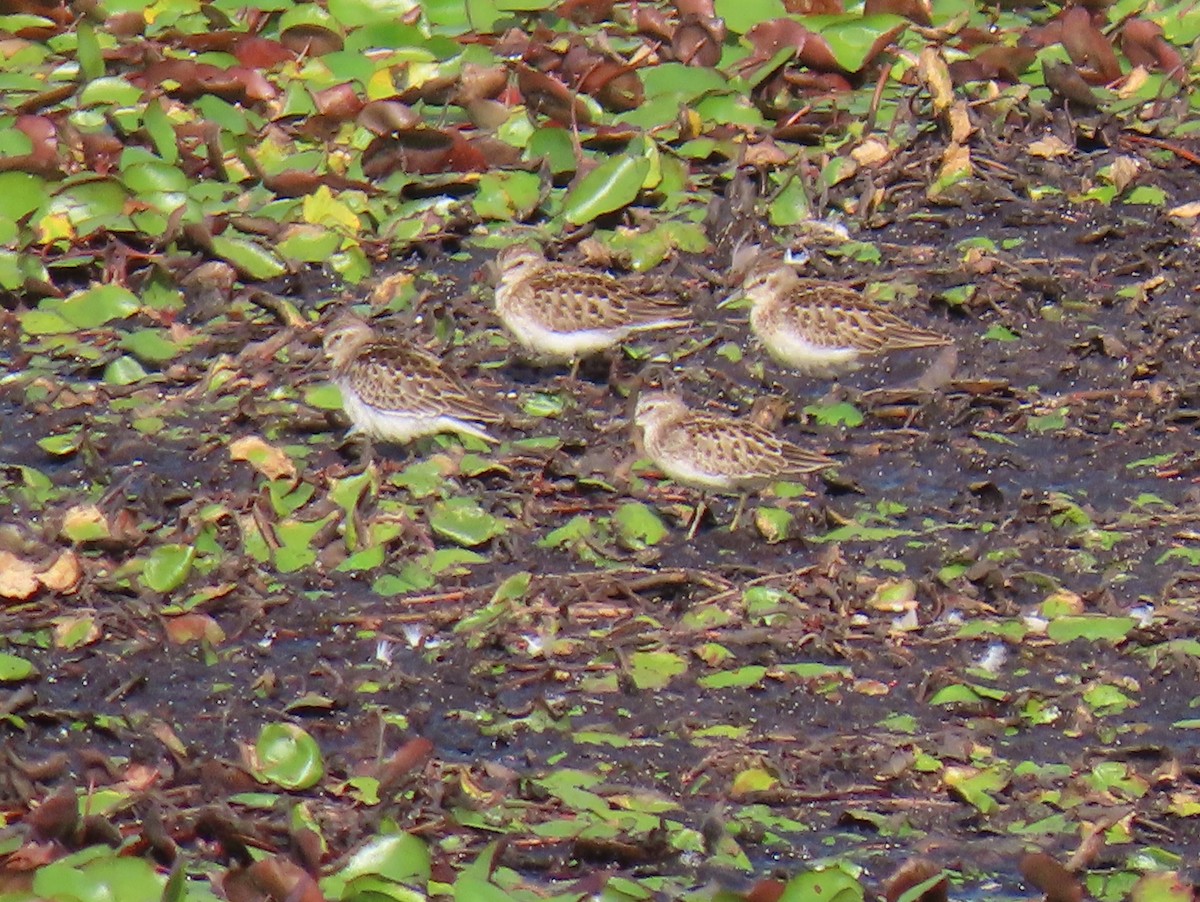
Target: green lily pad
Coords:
[[612, 185], [287, 756], [462, 520], [168, 567], [638, 526]]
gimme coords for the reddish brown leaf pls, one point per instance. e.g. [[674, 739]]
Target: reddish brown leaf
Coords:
[[550, 97], [696, 9], [1088, 47], [383, 117], [817, 7], [1143, 44], [406, 759], [261, 53], [340, 102], [916, 10], [697, 42], [1050, 877], [766, 891], [311, 40], [912, 873], [586, 12], [652, 22], [43, 134], [478, 82]]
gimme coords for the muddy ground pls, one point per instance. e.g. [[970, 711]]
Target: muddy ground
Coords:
[[1050, 478]]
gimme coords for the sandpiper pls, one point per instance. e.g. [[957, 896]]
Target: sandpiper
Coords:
[[717, 453], [564, 313], [394, 392], [823, 328]]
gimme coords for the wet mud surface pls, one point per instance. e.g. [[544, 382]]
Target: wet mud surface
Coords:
[[813, 696]]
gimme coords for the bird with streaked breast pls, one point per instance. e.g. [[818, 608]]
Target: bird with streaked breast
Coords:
[[565, 313], [715, 453], [822, 328], [395, 392]]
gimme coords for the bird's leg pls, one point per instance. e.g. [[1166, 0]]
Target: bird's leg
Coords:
[[737, 515], [701, 506], [359, 447], [575, 370]]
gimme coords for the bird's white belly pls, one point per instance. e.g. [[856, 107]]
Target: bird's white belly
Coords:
[[794, 350], [561, 345], [687, 473], [395, 426]]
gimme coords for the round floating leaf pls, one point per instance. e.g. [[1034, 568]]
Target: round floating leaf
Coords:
[[151, 345], [855, 40], [168, 567], [638, 525], [826, 885], [20, 194], [612, 185], [400, 858], [742, 15], [252, 260], [655, 669], [61, 445], [13, 669], [127, 879], [125, 370], [95, 306], [288, 756], [1093, 627], [463, 521]]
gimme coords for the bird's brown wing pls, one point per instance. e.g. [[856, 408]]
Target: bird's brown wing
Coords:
[[571, 299], [834, 316], [739, 450], [393, 376]]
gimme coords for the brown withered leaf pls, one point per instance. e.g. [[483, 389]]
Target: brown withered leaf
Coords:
[[697, 42], [1088, 48], [586, 12], [310, 39], [1143, 44], [550, 97], [913, 873], [918, 11], [1050, 877], [382, 117], [406, 759], [699, 9], [273, 879], [340, 102], [261, 53], [817, 7], [1065, 82]]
